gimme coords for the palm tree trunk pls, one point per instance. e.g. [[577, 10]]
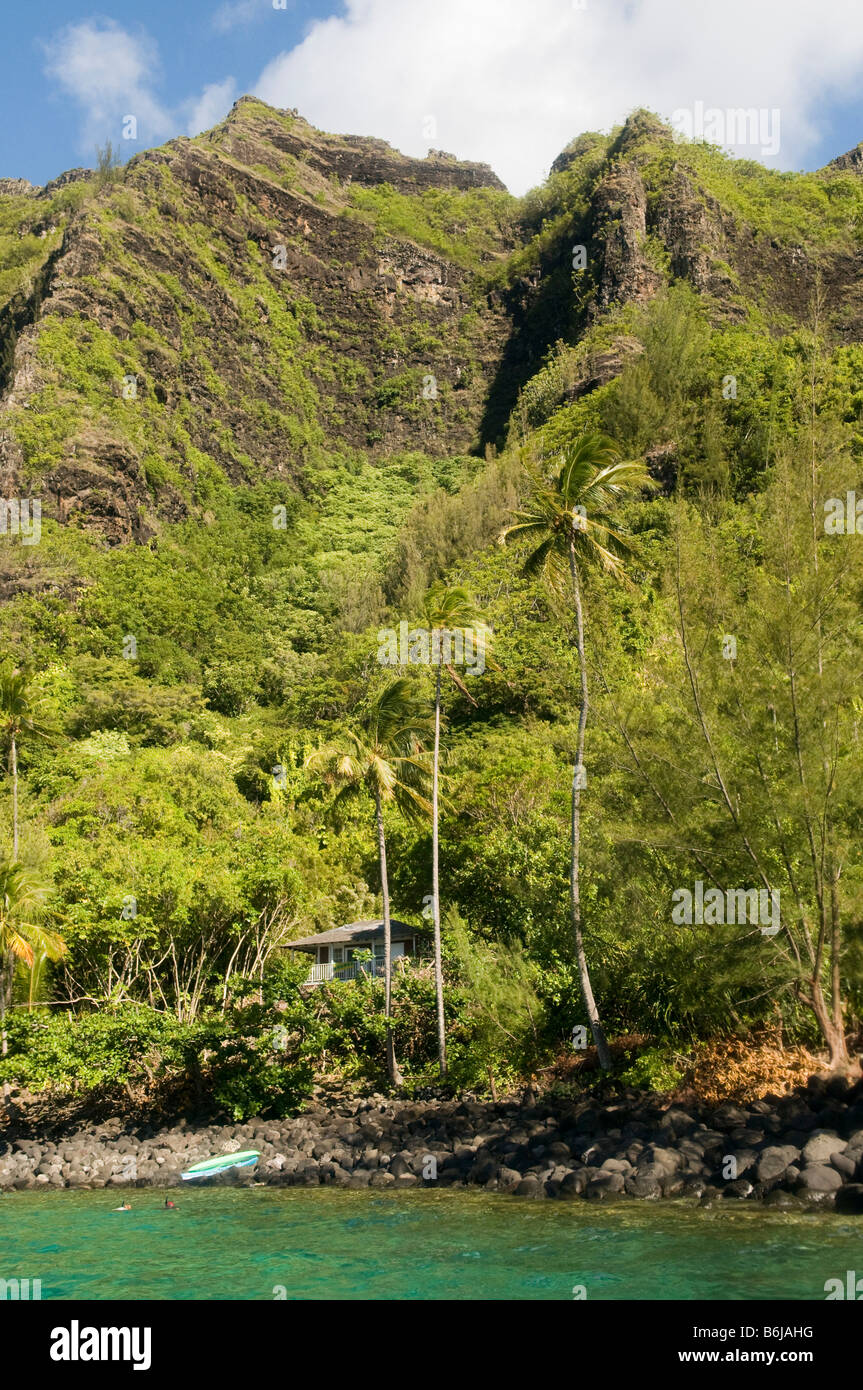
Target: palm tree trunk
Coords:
[[438, 968], [4, 1040], [575, 859], [35, 976], [392, 1066], [13, 758]]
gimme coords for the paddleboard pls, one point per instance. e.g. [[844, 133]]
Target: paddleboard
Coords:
[[247, 1159]]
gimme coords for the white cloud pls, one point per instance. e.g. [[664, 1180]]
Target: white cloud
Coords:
[[510, 83], [211, 106], [111, 74], [233, 14]]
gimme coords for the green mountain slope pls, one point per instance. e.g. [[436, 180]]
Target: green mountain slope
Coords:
[[267, 385]]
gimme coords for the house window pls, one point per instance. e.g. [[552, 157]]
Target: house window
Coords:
[[379, 951], [338, 953], [323, 954]]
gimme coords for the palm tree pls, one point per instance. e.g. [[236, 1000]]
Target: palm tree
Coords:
[[384, 760], [571, 516], [21, 937], [17, 722], [445, 610]]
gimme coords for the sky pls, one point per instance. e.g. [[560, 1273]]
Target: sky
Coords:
[[507, 82]]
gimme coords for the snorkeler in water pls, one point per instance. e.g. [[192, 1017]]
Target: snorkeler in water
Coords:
[[124, 1206], [169, 1205]]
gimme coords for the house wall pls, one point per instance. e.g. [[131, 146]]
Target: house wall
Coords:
[[397, 948]]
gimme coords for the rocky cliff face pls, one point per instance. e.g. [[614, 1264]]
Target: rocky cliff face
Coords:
[[229, 305], [232, 307], [659, 209]]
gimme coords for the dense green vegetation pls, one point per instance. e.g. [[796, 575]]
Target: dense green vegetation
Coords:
[[464, 227], [181, 819]]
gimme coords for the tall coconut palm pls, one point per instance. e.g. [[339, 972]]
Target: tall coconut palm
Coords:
[[18, 723], [570, 521], [21, 936], [445, 611], [383, 758]]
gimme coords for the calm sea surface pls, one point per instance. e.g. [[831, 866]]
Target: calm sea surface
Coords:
[[252, 1243]]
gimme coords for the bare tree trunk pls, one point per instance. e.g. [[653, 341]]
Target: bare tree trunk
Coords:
[[833, 1036], [438, 967], [393, 1072], [596, 1028], [4, 1040], [833, 1027], [13, 758], [836, 1041]]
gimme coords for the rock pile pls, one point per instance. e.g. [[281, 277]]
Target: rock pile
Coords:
[[803, 1147]]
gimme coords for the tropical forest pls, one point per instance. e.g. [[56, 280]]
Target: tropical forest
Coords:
[[378, 546]]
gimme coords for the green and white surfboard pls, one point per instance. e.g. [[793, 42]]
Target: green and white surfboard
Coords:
[[222, 1163]]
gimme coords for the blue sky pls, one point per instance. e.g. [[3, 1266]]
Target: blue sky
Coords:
[[192, 45], [508, 82]]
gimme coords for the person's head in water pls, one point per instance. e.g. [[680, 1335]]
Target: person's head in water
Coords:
[[169, 1203]]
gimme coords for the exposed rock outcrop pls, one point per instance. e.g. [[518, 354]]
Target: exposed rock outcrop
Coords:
[[803, 1147], [272, 289]]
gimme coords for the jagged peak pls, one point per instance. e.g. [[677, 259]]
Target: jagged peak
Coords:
[[70, 176], [18, 188], [23, 188], [640, 125], [852, 160], [466, 172], [582, 144], [241, 106]]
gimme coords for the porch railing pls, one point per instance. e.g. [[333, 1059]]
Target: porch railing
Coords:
[[351, 969]]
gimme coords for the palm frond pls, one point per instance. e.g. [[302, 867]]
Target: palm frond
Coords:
[[538, 559], [17, 712], [573, 513], [22, 899], [449, 606], [18, 946]]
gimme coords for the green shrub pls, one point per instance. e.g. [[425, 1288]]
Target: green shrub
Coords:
[[655, 1070]]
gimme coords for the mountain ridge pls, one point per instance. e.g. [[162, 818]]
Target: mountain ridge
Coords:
[[268, 290]]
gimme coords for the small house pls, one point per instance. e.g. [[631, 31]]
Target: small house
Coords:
[[343, 952]]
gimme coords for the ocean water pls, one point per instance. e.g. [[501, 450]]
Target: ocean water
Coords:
[[263, 1243]]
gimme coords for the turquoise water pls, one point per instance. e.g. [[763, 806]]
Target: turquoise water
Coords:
[[243, 1243]]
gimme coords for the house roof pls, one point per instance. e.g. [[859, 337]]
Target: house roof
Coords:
[[355, 934]]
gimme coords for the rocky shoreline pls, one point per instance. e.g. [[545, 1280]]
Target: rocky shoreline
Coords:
[[803, 1147]]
